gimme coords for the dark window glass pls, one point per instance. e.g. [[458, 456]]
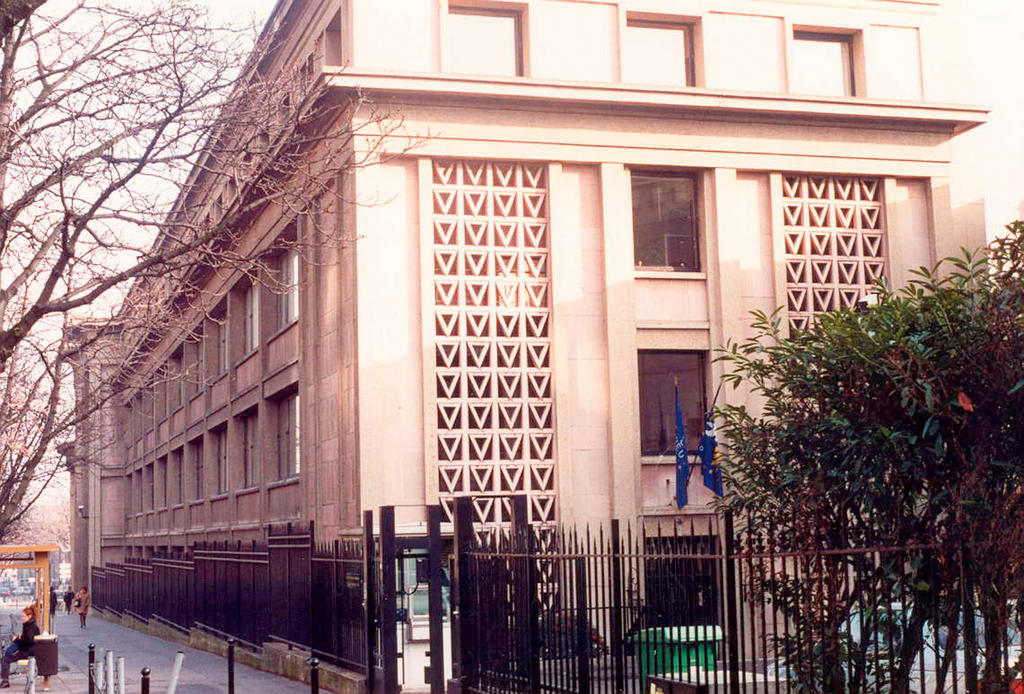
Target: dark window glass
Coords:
[[250, 452], [658, 373], [665, 222], [199, 471]]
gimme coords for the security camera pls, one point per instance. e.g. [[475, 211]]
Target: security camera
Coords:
[[81, 512]]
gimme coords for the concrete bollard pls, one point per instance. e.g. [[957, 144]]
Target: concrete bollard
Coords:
[[110, 677], [121, 689], [172, 685]]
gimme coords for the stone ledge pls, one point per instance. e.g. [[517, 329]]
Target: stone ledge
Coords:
[[275, 658]]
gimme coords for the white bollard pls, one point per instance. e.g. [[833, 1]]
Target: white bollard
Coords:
[[30, 686], [120, 675], [98, 672], [110, 678], [179, 658]]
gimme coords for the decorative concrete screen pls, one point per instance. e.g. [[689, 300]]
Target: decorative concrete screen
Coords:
[[834, 242], [492, 327]]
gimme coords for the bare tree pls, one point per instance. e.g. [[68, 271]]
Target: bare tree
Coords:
[[136, 145]]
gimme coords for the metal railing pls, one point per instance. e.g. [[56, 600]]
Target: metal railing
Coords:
[[287, 588]]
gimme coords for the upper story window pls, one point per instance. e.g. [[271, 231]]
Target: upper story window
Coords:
[[658, 52], [176, 380], [822, 64], [659, 373], [288, 446], [250, 451], [665, 230], [198, 469], [484, 41], [219, 439], [150, 487], [288, 306], [177, 473], [220, 334], [251, 322]]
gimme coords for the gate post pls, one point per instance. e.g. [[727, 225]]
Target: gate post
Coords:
[[618, 657], [435, 608], [732, 636], [389, 592], [463, 617], [370, 597], [582, 629], [528, 604]]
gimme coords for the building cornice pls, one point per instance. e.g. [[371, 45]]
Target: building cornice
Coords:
[[683, 102]]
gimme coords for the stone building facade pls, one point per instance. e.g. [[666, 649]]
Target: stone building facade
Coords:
[[598, 195]]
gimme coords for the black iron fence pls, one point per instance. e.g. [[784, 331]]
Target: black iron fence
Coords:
[[733, 607], [288, 588], [730, 609]]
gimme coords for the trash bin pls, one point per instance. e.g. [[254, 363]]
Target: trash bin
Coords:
[[45, 651], [676, 649]]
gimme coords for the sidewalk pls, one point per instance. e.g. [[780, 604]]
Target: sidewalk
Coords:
[[202, 673]]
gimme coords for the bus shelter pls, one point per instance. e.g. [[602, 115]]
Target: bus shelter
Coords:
[[36, 557]]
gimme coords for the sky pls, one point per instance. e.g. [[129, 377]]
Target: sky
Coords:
[[242, 10]]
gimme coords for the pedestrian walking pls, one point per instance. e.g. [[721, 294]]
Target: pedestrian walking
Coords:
[[53, 604], [82, 605], [21, 647], [69, 597]]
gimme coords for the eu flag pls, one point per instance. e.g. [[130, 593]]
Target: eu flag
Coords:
[[682, 463], [707, 451]]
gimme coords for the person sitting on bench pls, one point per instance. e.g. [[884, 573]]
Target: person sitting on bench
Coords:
[[21, 647]]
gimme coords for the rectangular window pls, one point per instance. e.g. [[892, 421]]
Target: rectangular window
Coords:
[[175, 381], [150, 491], [665, 229], [129, 483], [140, 501], [250, 451], [222, 348], [251, 327], [822, 64], [288, 306], [220, 453], [198, 471], [658, 52], [162, 483], [659, 372], [484, 42], [288, 464], [178, 477]]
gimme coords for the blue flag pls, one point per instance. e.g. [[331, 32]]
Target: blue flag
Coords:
[[707, 451], [682, 462]]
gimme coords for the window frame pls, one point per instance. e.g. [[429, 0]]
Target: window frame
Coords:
[[176, 460], [250, 450], [149, 477], [251, 319], [687, 25], [289, 428], [516, 13], [288, 309], [697, 216], [198, 470], [849, 38], [220, 450], [703, 359]]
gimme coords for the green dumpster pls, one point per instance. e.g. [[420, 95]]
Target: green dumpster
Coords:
[[663, 650]]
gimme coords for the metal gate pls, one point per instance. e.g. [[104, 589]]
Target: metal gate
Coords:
[[405, 570]]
